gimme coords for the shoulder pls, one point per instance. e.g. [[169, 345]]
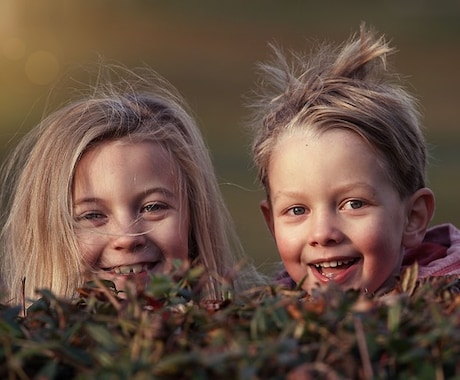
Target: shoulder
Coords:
[[439, 253], [282, 278]]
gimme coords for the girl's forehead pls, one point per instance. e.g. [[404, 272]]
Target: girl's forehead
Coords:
[[128, 143], [120, 167], [146, 155]]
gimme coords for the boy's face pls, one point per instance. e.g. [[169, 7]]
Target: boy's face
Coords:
[[129, 212], [333, 212]]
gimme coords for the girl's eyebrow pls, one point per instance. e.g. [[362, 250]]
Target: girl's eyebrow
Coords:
[[163, 190], [149, 191]]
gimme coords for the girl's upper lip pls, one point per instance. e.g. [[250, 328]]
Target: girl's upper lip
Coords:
[[150, 263]]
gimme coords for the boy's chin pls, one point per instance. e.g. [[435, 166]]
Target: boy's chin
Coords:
[[386, 287]]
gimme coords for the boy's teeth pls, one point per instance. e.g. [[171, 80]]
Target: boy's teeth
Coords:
[[332, 264], [129, 269]]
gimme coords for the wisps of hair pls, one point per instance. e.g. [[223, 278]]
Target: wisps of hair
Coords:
[[348, 83], [292, 81]]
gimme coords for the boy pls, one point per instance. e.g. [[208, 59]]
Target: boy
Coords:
[[340, 152]]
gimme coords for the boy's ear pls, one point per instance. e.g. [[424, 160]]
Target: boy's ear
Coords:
[[268, 215], [420, 212]]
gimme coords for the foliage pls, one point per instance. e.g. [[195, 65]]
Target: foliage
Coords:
[[166, 332]]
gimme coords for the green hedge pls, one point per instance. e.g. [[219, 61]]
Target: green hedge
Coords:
[[165, 332]]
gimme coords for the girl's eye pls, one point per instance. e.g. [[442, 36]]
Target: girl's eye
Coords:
[[90, 216], [155, 207], [297, 210], [91, 219], [353, 204]]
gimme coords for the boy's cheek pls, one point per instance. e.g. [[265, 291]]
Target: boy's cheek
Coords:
[[268, 216], [288, 249]]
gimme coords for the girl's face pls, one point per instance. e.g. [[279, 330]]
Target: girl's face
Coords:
[[131, 218], [333, 212]]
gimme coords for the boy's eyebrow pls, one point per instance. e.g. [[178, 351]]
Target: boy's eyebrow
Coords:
[[162, 190], [353, 186], [339, 189]]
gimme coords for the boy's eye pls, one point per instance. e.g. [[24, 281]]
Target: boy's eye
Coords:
[[297, 210], [353, 204]]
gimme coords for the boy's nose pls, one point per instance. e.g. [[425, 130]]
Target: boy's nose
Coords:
[[323, 229]]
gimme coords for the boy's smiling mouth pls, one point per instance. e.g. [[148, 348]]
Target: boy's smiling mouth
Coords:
[[330, 269]]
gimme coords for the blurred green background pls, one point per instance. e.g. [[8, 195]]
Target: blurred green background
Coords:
[[209, 51]]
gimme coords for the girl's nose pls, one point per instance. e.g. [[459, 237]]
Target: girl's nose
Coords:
[[129, 237], [324, 229]]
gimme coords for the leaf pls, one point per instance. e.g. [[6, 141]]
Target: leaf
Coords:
[[409, 278], [102, 336]]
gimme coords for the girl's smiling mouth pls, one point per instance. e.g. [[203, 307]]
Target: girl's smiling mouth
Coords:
[[131, 269]]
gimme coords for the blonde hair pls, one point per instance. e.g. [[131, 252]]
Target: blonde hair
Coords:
[[38, 241], [347, 86]]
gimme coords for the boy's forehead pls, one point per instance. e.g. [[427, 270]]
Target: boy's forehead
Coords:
[[312, 132], [290, 147], [333, 162]]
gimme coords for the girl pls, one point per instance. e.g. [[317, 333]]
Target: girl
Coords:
[[119, 185], [339, 149]]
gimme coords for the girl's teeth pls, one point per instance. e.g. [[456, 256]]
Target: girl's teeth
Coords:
[[129, 269]]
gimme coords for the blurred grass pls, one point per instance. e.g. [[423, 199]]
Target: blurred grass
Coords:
[[209, 50]]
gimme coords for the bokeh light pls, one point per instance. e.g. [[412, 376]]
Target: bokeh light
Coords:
[[13, 48], [42, 67]]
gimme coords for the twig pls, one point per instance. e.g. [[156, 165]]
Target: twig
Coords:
[[362, 346], [23, 296]]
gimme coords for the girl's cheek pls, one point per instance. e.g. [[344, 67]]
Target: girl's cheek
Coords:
[[88, 254]]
